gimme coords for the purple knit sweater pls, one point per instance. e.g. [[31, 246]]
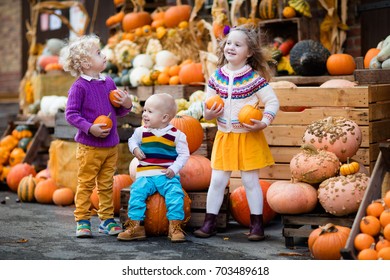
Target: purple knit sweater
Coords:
[[86, 101]]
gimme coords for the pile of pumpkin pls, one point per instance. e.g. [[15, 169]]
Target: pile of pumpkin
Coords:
[[373, 240], [13, 148]]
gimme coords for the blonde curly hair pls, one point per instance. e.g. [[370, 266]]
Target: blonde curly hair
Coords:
[[77, 52]]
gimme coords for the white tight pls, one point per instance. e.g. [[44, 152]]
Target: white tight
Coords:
[[219, 181]]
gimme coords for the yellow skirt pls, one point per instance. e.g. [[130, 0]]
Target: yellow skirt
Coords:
[[240, 151]]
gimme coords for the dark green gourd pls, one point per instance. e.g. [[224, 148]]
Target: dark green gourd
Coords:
[[308, 58]]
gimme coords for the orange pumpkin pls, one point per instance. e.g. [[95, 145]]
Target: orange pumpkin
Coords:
[[368, 254], [370, 54], [113, 98], [133, 20], [44, 60], [327, 242], [196, 173], [120, 181], [63, 196], [17, 173], [4, 155], [43, 174], [17, 156], [386, 232], [176, 14], [239, 207], [249, 112], [44, 191], [370, 225], [384, 254], [375, 208], [156, 222], [192, 128], [382, 243], [105, 120], [384, 217], [386, 199], [340, 64], [214, 99], [9, 142], [191, 73], [363, 241]]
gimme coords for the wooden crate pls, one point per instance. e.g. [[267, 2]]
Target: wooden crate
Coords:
[[208, 141], [375, 190], [198, 208], [300, 226], [51, 84], [372, 76], [125, 125], [368, 106]]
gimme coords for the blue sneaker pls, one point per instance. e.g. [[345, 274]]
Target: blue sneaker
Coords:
[[110, 227], [83, 229]]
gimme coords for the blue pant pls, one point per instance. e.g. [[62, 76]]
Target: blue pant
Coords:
[[170, 189]]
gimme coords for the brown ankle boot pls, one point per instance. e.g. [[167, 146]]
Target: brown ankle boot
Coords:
[[133, 231], [256, 229], [176, 233], [208, 228]]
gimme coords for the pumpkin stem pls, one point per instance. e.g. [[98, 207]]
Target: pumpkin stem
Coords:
[[328, 228], [309, 148], [109, 114]]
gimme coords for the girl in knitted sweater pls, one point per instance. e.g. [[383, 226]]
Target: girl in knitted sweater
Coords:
[[241, 79]]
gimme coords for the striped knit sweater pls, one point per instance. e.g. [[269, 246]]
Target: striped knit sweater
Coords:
[[237, 89]]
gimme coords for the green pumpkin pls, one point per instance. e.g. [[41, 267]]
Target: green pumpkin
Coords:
[[23, 143]]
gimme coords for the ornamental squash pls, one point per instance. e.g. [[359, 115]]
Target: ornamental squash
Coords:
[[268, 9], [9, 142], [308, 58], [24, 143], [26, 188], [21, 131], [349, 168]]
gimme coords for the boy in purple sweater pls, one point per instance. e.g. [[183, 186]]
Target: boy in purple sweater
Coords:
[[97, 149]]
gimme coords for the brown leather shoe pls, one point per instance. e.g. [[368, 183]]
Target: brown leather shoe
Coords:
[[133, 231], [176, 233]]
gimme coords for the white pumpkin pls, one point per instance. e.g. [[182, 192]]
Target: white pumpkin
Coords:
[[133, 168], [143, 60], [136, 75], [166, 58]]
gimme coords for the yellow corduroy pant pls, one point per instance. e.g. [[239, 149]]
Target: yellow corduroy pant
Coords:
[[97, 167]]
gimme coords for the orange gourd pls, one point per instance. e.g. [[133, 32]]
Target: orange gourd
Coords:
[[16, 156], [63, 196], [134, 20], [328, 242], [370, 54], [9, 142], [370, 225], [239, 207], [340, 64], [214, 99], [192, 128], [196, 173], [349, 168], [105, 120], [176, 14], [115, 19], [44, 191], [191, 73], [17, 173], [120, 181], [363, 241], [113, 98], [249, 112]]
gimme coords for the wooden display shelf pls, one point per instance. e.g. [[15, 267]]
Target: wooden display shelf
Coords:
[[311, 80], [368, 106]]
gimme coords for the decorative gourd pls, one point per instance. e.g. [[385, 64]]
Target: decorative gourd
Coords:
[[63, 196], [340, 64], [133, 168], [286, 46], [334, 134], [156, 222], [308, 58], [214, 99], [191, 73], [113, 98], [120, 181], [239, 207], [165, 58], [314, 166], [103, 119], [134, 20], [268, 9], [292, 197], [192, 128], [249, 112], [196, 173], [17, 173], [21, 131], [44, 191], [370, 54], [327, 241], [342, 195], [4, 155], [16, 156], [9, 142], [26, 188], [4, 173], [25, 143], [349, 168], [370, 225], [176, 14]]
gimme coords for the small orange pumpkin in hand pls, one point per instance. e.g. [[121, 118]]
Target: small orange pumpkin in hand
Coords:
[[113, 98], [104, 119], [214, 99], [249, 112]]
